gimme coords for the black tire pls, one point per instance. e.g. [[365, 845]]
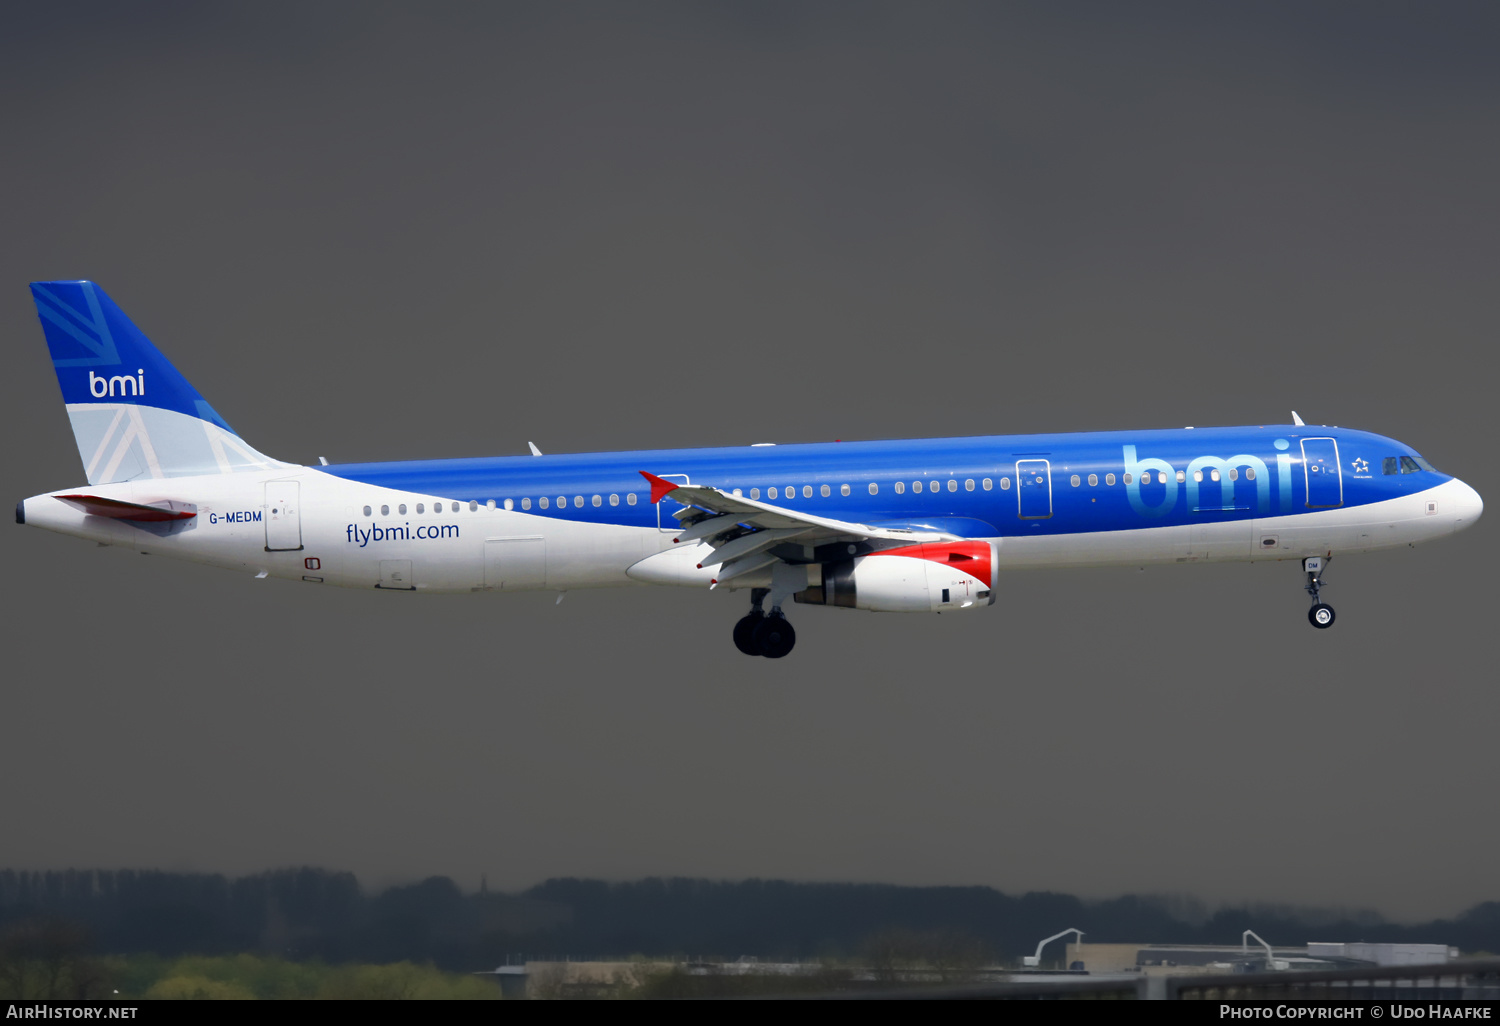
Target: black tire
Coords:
[[774, 637], [744, 633], [1320, 616]]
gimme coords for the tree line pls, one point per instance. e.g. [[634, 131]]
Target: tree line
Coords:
[[315, 914]]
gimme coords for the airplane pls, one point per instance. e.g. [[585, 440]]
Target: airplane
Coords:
[[914, 525]]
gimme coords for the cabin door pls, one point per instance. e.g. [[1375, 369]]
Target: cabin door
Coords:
[[1034, 489], [665, 521], [1325, 482], [283, 516]]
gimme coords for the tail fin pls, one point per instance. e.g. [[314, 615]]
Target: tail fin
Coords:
[[134, 415]]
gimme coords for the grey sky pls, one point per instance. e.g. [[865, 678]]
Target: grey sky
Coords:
[[372, 232]]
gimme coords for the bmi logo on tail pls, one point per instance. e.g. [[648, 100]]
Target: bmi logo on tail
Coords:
[[102, 387]]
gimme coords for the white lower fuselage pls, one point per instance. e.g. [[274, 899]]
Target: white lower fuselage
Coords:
[[471, 547]]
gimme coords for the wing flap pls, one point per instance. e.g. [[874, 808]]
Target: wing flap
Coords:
[[748, 544]]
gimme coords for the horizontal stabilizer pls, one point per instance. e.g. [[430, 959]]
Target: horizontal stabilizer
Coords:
[[117, 509]]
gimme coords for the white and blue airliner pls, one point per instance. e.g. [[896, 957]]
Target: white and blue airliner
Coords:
[[920, 525]]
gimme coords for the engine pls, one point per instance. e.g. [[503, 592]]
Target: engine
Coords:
[[930, 578]]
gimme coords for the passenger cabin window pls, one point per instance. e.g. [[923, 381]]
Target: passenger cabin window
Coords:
[[510, 504], [968, 484], [771, 492], [544, 502], [1182, 476], [985, 484], [597, 500], [385, 511], [1109, 479], [738, 493], [1127, 478], [630, 498], [1093, 480], [874, 488], [900, 487], [562, 502], [578, 501], [367, 511], [1005, 484], [807, 491], [825, 491], [614, 497], [401, 509], [1075, 481], [490, 504], [953, 484], [526, 502], [916, 486], [843, 489], [755, 493]]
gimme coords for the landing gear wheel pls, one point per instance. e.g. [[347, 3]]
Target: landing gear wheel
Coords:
[[1320, 616], [774, 637], [744, 633]]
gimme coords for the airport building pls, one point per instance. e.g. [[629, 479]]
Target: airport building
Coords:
[[1179, 959]]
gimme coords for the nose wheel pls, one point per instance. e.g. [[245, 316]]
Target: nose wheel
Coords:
[[1321, 613]]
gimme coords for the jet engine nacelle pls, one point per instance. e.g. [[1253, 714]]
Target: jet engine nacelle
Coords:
[[930, 578]]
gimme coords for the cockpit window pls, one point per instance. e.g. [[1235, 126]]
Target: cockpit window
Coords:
[[1409, 466], [1391, 465], [1424, 464]]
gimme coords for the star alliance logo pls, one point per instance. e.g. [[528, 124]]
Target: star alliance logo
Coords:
[[1361, 466]]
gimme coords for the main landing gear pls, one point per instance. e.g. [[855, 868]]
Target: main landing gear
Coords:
[[1321, 614], [762, 634]]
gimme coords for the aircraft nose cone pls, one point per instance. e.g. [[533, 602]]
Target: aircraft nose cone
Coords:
[[1467, 505]]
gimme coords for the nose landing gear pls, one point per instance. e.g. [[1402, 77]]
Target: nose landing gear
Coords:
[[1321, 614], [759, 634]]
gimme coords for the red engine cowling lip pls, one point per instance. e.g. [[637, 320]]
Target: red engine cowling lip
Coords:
[[972, 557]]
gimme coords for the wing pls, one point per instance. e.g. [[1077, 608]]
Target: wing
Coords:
[[745, 533]]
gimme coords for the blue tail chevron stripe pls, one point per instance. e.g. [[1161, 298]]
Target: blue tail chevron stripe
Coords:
[[86, 330], [52, 308]]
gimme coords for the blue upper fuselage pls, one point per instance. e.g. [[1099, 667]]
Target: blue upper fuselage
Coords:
[[983, 486]]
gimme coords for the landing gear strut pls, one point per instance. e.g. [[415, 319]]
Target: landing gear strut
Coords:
[[1321, 614], [762, 634]]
